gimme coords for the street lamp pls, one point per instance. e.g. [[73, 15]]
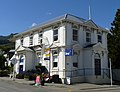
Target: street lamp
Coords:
[[110, 71]]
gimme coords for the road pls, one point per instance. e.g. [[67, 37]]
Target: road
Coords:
[[12, 86]]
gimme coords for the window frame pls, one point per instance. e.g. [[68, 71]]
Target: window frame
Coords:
[[40, 37], [31, 40], [55, 55], [76, 56], [55, 35], [75, 34], [88, 37], [99, 35], [21, 41]]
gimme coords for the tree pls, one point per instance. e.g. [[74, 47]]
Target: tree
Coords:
[[2, 62], [114, 41]]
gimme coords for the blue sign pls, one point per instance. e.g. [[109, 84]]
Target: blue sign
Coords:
[[68, 52]]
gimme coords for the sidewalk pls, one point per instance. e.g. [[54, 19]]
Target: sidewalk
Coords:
[[69, 88]]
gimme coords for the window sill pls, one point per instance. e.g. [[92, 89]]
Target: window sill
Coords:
[[56, 41], [55, 68]]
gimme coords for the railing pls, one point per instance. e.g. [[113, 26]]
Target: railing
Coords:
[[85, 72]]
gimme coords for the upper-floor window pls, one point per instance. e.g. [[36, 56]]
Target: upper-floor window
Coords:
[[75, 35], [99, 36], [31, 40], [88, 37], [40, 37], [21, 41], [55, 35]]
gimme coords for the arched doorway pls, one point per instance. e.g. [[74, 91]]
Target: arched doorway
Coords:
[[97, 62]]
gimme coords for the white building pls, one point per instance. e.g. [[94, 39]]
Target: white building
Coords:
[[69, 46]]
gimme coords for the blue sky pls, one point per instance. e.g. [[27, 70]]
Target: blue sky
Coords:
[[18, 15]]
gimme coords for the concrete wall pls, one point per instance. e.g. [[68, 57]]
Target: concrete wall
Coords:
[[17, 43], [97, 79], [26, 41], [88, 58]]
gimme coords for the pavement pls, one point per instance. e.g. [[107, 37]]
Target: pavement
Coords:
[[70, 88]]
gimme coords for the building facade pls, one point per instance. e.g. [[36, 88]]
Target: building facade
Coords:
[[73, 48]]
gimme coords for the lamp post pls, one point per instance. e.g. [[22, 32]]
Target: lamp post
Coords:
[[110, 71]]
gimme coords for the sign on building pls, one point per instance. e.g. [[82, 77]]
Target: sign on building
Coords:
[[68, 52], [47, 54]]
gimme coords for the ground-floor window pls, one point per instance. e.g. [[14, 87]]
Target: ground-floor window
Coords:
[[55, 58], [75, 58], [21, 58]]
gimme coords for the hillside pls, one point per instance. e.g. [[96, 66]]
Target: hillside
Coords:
[[7, 42]]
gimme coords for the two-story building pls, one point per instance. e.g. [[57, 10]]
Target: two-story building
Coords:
[[73, 48]]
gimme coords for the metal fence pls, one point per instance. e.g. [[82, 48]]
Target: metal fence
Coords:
[[85, 72]]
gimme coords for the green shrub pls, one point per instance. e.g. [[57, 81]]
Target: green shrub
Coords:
[[4, 73], [20, 76], [26, 76], [33, 76]]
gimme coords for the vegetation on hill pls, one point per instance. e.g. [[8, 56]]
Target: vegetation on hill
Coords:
[[7, 42]]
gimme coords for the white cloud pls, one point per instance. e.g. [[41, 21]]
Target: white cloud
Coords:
[[33, 24]]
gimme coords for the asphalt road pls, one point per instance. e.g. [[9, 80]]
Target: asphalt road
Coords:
[[12, 86]]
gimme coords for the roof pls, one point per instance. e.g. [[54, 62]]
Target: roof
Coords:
[[68, 17], [12, 51], [90, 45], [95, 46], [23, 48]]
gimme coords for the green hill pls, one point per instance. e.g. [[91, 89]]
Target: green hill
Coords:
[[7, 42]]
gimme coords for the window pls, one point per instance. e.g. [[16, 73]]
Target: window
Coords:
[[39, 53], [40, 40], [75, 64], [21, 41], [99, 38], [31, 40], [21, 58], [99, 35], [88, 37], [55, 35], [55, 58], [75, 58], [75, 35]]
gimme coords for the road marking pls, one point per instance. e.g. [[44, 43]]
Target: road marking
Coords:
[[69, 90]]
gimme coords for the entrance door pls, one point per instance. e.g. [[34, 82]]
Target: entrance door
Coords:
[[20, 68], [97, 67]]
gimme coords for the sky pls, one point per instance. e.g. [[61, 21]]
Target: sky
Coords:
[[18, 15]]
